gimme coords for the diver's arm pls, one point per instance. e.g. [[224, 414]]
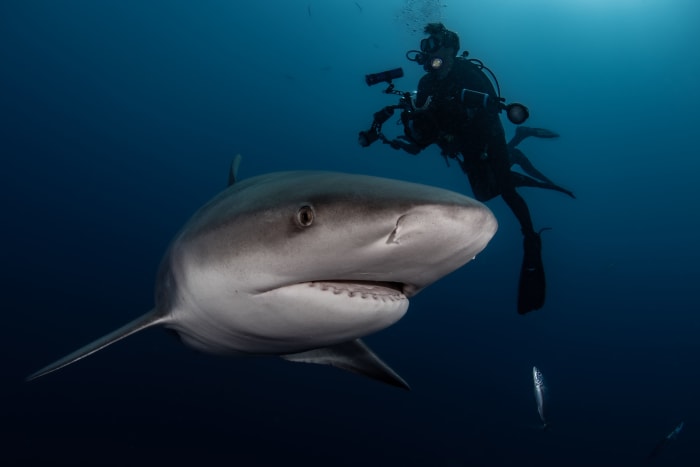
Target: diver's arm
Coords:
[[423, 92], [402, 143], [416, 137]]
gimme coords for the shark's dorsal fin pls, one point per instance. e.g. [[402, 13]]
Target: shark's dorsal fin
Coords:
[[353, 356], [233, 171], [145, 321]]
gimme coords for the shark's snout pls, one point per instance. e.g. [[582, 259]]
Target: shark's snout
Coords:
[[432, 240]]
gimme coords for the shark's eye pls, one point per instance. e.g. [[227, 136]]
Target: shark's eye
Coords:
[[305, 216]]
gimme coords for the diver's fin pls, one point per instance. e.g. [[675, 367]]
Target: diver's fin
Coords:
[[519, 179], [353, 356], [233, 170], [522, 132], [543, 133], [532, 285], [145, 321]]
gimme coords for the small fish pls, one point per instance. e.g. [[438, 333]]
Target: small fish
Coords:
[[358, 6], [540, 390], [663, 441], [676, 431]]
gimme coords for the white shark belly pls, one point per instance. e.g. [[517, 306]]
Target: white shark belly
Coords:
[[288, 319]]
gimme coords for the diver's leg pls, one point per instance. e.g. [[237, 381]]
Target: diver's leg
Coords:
[[517, 204], [523, 180], [531, 287]]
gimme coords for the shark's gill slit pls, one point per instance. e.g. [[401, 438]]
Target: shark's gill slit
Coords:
[[395, 233]]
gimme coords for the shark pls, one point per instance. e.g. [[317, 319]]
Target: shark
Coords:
[[303, 264]]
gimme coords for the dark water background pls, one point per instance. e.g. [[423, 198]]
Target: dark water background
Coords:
[[119, 119]]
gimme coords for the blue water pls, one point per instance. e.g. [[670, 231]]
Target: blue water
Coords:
[[119, 119]]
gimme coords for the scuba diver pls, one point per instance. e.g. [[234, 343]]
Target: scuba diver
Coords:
[[457, 107], [517, 157]]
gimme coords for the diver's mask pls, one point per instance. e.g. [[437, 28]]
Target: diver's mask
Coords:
[[426, 55], [431, 44]]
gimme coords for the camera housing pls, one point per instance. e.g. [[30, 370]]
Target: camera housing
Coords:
[[383, 76]]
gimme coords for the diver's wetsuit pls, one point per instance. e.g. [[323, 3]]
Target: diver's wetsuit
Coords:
[[477, 135]]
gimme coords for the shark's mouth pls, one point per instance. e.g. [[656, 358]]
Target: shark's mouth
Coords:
[[319, 313], [377, 290]]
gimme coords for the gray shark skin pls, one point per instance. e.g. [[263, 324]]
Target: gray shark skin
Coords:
[[303, 264]]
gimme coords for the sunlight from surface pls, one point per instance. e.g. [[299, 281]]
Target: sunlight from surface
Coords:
[[588, 6], [610, 4]]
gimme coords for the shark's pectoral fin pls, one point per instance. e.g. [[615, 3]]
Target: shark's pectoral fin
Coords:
[[142, 322], [353, 356]]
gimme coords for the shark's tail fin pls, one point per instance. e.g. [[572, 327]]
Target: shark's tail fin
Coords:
[[145, 321]]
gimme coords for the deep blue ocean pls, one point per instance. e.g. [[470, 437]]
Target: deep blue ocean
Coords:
[[118, 119]]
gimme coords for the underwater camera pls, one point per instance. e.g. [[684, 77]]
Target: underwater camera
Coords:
[[383, 77]]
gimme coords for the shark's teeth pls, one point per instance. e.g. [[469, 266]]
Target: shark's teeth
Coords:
[[362, 290]]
